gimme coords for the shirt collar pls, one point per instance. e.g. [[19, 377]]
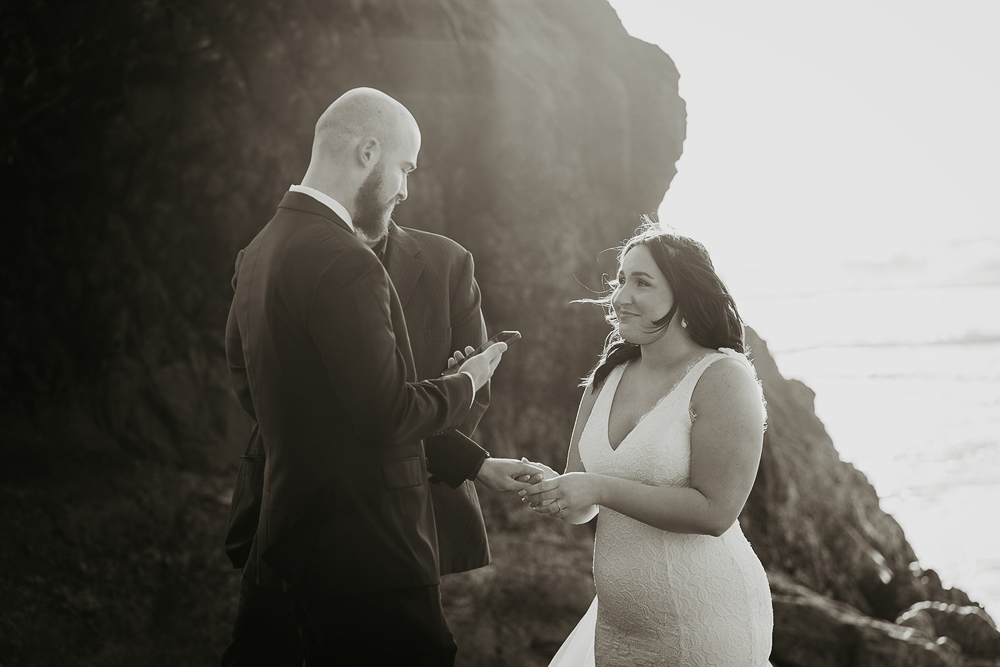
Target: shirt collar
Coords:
[[327, 201]]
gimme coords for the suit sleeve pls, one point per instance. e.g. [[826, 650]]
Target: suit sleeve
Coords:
[[469, 328], [349, 320], [234, 353], [455, 459], [244, 509]]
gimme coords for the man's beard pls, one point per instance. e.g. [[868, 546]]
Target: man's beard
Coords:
[[371, 216]]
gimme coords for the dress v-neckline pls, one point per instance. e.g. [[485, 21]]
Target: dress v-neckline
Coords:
[[611, 405]]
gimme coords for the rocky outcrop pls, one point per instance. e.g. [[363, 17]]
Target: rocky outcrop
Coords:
[[145, 154], [969, 626], [144, 142], [844, 581], [811, 630], [818, 519]]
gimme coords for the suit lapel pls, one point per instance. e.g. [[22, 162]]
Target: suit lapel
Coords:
[[402, 262]]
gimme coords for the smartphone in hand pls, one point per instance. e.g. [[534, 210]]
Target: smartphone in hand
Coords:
[[509, 337]]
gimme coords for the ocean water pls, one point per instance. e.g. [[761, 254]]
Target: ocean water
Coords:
[[907, 383]]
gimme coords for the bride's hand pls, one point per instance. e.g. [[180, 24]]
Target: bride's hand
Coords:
[[564, 494]]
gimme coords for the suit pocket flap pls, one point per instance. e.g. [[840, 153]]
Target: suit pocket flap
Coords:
[[402, 473]]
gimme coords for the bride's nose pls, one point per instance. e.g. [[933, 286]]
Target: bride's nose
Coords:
[[620, 298]]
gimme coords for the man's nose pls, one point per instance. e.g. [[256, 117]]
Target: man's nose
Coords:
[[402, 190]]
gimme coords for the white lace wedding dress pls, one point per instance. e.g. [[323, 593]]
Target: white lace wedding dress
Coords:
[[665, 598]]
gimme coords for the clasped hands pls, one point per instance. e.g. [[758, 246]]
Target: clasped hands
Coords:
[[542, 488], [562, 496]]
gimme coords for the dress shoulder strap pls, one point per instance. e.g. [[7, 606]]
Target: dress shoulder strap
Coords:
[[691, 381]]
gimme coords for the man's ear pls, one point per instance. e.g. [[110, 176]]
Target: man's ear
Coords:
[[369, 151]]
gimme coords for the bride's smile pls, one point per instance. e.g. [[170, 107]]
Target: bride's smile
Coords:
[[642, 297]]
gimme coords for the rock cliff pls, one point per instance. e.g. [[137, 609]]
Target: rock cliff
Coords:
[[144, 143], [846, 586], [147, 151]]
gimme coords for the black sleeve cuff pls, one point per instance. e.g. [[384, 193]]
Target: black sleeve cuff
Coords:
[[454, 457]]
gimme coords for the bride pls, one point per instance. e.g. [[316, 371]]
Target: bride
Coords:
[[666, 445]]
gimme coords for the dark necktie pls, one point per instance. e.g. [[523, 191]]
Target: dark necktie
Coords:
[[380, 247]]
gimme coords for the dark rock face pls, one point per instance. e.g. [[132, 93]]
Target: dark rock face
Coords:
[[811, 630], [843, 578], [144, 143], [170, 131], [970, 627], [818, 519]]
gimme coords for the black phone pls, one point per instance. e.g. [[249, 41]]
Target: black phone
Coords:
[[509, 337]]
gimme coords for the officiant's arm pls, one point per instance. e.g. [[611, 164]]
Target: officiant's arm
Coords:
[[451, 458], [726, 442], [454, 458]]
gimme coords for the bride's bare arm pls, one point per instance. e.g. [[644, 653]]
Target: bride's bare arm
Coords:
[[726, 442], [573, 461]]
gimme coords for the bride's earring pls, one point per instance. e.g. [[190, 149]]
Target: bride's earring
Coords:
[[684, 323]]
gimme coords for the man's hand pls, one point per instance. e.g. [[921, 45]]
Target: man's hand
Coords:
[[479, 366], [504, 474], [456, 359], [547, 472]]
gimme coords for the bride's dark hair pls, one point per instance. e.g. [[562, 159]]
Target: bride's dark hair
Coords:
[[700, 296]]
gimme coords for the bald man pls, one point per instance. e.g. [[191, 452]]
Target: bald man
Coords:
[[319, 356]]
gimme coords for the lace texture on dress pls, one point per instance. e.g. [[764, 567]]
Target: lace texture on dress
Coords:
[[668, 598]]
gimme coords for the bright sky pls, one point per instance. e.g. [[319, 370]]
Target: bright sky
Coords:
[[828, 136]]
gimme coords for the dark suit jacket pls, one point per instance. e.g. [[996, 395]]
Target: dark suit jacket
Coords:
[[319, 355], [434, 279]]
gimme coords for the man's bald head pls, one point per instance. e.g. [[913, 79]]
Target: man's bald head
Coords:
[[365, 146], [360, 114]]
